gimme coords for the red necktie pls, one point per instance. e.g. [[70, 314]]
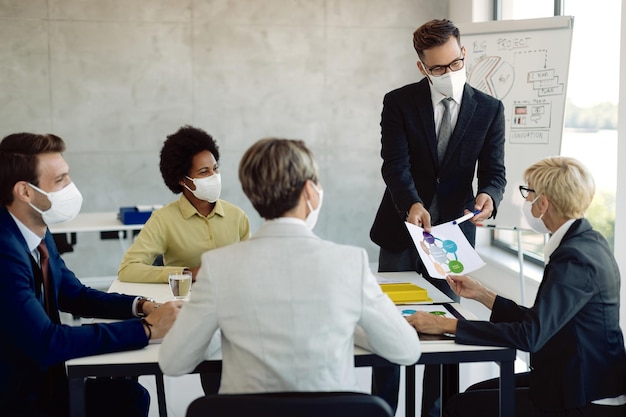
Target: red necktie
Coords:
[[55, 374], [48, 295]]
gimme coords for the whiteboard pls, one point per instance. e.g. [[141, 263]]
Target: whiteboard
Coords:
[[524, 63]]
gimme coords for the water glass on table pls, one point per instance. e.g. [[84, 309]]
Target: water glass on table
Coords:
[[180, 284]]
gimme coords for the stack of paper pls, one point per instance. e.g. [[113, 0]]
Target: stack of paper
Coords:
[[405, 293]]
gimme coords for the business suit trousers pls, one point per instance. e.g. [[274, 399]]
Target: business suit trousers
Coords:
[[104, 397], [210, 382], [131, 399], [386, 380], [482, 399]]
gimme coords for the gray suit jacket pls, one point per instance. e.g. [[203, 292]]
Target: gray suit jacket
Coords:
[[287, 303]]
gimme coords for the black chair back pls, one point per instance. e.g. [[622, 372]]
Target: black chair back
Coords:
[[290, 404]]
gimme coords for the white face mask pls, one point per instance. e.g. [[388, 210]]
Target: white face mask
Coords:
[[64, 204], [207, 188], [311, 219], [535, 223], [450, 84]]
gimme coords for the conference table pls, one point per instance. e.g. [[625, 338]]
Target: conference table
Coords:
[[445, 353]]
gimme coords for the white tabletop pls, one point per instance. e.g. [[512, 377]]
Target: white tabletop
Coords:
[[94, 222], [161, 293], [433, 352], [150, 354]]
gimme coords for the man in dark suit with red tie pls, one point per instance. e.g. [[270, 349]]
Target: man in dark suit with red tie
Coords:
[[436, 134], [35, 191]]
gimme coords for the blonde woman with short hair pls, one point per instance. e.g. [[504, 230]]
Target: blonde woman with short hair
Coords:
[[577, 356]]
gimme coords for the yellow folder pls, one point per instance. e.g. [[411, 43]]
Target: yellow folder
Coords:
[[406, 293]]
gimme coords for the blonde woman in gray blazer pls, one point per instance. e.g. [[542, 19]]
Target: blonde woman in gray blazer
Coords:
[[287, 302]]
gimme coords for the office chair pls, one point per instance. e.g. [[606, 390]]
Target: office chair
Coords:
[[290, 404]]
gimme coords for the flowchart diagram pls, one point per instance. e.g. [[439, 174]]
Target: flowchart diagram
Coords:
[[444, 250]]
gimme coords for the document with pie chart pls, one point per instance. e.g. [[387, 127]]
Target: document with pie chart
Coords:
[[445, 250]]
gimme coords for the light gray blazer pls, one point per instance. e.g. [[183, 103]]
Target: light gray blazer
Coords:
[[287, 303]]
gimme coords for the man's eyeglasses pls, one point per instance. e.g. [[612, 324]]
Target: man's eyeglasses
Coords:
[[525, 191], [439, 70]]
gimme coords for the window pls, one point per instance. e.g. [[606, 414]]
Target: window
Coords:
[[590, 132]]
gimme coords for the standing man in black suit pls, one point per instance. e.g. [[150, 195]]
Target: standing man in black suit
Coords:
[[429, 172]]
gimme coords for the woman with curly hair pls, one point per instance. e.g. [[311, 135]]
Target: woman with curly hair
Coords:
[[197, 222]]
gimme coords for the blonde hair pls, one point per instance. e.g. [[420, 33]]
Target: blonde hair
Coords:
[[273, 172], [565, 181]]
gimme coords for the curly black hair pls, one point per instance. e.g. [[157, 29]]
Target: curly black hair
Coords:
[[178, 152]]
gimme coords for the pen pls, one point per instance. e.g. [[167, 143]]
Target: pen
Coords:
[[466, 217]]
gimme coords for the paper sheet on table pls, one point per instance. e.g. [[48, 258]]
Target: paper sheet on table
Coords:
[[439, 310], [408, 309], [445, 251]]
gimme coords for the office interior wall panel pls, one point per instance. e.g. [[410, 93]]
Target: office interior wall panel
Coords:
[[390, 13], [20, 9], [298, 13], [362, 65], [24, 75], [119, 85], [120, 10], [253, 81], [136, 179], [350, 205], [114, 78]]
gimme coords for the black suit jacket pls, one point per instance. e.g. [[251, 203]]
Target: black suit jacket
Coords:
[[411, 169], [572, 330]]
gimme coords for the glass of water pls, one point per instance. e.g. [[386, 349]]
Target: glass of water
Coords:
[[180, 284]]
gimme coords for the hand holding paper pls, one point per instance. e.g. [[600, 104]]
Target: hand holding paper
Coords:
[[445, 250]]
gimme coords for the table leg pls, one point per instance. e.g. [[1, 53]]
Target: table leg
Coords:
[[449, 382], [409, 393], [160, 387], [507, 389], [77, 397]]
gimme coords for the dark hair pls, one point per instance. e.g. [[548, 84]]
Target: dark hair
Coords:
[[273, 172], [178, 152], [434, 33], [18, 160]]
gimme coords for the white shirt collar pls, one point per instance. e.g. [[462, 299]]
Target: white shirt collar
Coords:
[[287, 220], [32, 240], [555, 240]]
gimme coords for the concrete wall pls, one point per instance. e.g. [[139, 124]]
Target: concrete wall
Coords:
[[113, 78]]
